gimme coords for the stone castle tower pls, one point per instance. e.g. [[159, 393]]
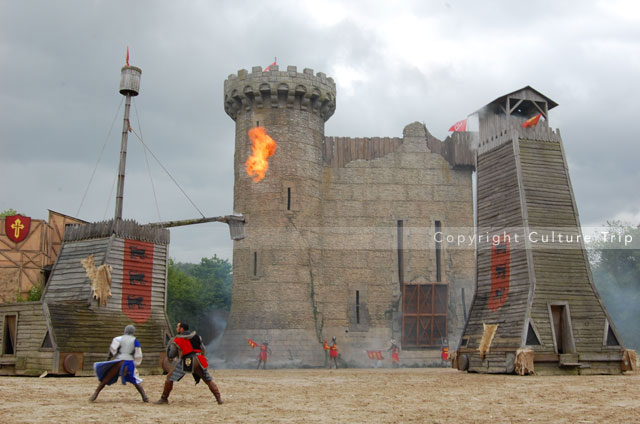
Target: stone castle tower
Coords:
[[340, 232]]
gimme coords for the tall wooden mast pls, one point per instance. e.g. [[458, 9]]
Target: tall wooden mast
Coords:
[[129, 86]]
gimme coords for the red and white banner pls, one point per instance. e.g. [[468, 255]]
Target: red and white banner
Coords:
[[17, 227], [459, 126], [375, 355], [137, 280]]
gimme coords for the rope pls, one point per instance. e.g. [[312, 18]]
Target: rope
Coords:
[[95, 168], [146, 159], [113, 184], [165, 170]]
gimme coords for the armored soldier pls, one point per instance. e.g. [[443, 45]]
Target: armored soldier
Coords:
[[126, 352], [333, 352], [263, 355], [394, 349], [190, 350]]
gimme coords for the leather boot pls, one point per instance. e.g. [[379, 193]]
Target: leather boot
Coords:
[[138, 387], [215, 391], [168, 386], [113, 371], [94, 396]]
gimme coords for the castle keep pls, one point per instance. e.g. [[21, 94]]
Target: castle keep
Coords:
[[340, 233]]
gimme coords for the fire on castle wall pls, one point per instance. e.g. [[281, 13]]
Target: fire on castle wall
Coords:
[[262, 147]]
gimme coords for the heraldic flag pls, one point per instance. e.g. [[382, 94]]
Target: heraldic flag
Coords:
[[532, 122], [459, 126], [375, 355]]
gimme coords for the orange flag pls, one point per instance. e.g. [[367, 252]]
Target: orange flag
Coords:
[[268, 68], [532, 122], [325, 346], [127, 55], [252, 343]]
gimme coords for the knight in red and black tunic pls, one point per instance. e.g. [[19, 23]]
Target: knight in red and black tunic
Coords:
[[263, 355], [333, 352], [394, 349], [191, 352]]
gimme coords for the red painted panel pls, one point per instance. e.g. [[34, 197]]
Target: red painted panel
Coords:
[[137, 280], [500, 269]]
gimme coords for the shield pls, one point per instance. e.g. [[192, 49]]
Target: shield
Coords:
[[137, 279], [17, 227]]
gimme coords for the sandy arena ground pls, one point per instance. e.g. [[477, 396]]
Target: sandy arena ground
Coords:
[[332, 396]]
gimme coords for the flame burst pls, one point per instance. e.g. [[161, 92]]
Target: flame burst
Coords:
[[262, 147]]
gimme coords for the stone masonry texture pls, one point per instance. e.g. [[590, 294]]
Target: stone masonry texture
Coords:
[[322, 238]]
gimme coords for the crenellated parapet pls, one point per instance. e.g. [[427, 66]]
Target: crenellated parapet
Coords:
[[279, 89]]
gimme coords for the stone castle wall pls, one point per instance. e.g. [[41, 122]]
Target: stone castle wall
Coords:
[[362, 203], [319, 231]]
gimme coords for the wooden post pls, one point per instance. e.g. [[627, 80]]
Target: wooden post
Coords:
[[123, 158]]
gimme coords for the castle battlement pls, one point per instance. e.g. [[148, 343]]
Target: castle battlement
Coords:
[[279, 89]]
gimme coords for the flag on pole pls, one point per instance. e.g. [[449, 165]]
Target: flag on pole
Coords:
[[459, 126], [127, 55], [532, 122], [325, 346], [268, 68], [252, 343]]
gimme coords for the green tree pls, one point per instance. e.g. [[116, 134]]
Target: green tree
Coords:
[[214, 275], [196, 290], [615, 264], [183, 296], [8, 212]]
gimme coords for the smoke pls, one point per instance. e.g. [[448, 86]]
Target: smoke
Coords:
[[622, 305], [212, 330]]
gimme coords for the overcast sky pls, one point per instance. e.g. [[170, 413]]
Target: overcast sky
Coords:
[[393, 62]]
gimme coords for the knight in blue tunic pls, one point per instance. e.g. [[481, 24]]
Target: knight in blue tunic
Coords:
[[127, 354]]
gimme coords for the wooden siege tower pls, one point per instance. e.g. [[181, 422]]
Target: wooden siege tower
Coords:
[[535, 293], [106, 275]]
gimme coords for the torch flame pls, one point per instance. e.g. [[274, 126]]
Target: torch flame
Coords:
[[262, 147]]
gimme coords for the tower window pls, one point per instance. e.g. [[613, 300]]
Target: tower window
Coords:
[[288, 198], [400, 252], [255, 264], [438, 228], [357, 306]]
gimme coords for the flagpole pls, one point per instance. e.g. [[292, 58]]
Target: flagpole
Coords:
[[123, 158], [129, 86]]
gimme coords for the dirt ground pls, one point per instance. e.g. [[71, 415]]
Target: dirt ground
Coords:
[[424, 395]]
